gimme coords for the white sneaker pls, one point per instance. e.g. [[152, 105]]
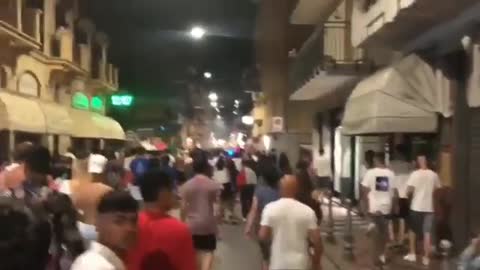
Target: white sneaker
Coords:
[[425, 261], [382, 259], [410, 258]]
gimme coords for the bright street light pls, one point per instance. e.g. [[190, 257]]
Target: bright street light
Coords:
[[213, 96], [248, 120], [197, 32], [207, 75]]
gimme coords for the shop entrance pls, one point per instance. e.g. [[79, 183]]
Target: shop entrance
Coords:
[[21, 137]]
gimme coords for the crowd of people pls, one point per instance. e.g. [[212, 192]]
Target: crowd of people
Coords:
[[104, 210]]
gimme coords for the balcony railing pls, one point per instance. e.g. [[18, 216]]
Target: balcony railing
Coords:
[[31, 23], [308, 59], [9, 15], [396, 23], [328, 50]]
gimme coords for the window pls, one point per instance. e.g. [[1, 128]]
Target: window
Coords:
[[28, 84]]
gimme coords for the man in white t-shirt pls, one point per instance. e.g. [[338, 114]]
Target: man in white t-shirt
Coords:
[[379, 189], [291, 227], [422, 184], [402, 169]]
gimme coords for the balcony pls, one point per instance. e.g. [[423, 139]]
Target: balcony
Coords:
[[64, 56], [104, 76], [313, 12], [398, 24], [20, 27], [326, 62]]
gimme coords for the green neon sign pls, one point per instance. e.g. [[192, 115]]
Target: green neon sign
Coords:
[[122, 100], [97, 103], [80, 101]]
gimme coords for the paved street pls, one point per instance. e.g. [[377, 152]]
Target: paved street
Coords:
[[235, 252]]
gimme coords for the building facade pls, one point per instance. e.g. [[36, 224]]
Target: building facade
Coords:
[[55, 76], [382, 73]]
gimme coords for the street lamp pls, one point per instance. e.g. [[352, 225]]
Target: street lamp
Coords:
[[213, 96], [248, 120], [207, 75], [197, 32]]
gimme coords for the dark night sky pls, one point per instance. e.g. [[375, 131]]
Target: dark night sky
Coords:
[[151, 45]]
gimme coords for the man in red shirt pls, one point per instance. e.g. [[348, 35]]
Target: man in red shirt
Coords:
[[163, 241]]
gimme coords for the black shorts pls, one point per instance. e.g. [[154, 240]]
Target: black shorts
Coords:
[[205, 242], [227, 192], [404, 205]]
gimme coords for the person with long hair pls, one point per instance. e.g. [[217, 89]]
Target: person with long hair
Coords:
[[247, 180], [227, 197], [284, 164], [306, 189]]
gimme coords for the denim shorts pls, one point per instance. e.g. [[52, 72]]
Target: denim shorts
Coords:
[[421, 222]]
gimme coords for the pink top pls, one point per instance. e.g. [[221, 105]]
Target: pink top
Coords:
[[200, 194]]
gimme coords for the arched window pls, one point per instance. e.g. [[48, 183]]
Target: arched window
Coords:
[[28, 84]]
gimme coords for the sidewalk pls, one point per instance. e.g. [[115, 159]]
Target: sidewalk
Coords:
[[335, 255]]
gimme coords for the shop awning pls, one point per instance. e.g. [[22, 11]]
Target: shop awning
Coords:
[[21, 114], [93, 125], [109, 128], [83, 125], [403, 98], [57, 118]]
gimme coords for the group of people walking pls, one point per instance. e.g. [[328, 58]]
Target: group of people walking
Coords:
[[403, 193]]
